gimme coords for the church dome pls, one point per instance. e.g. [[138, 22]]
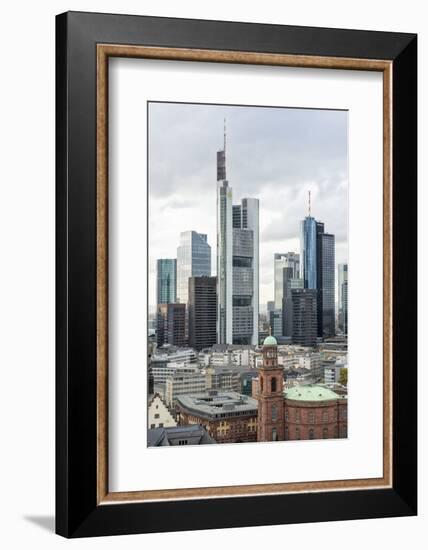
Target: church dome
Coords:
[[310, 392], [270, 341]]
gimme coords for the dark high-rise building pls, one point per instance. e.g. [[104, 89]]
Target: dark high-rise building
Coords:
[[304, 331], [166, 281], [171, 324], [202, 306], [325, 284]]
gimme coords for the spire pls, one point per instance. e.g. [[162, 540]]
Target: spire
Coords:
[[309, 203]]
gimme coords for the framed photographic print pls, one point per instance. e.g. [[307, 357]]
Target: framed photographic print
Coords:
[[236, 274]]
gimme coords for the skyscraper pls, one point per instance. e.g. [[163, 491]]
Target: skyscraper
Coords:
[[245, 265], [304, 317], [282, 260], [171, 323], [342, 278], [202, 312], [237, 263], [317, 270], [224, 250], [166, 281], [325, 284], [193, 260], [290, 282]]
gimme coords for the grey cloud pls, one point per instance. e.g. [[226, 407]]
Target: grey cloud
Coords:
[[274, 154]]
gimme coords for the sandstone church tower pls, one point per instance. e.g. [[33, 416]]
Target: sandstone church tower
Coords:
[[271, 420]]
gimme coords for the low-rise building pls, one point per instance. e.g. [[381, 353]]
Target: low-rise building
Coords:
[[183, 384], [228, 417], [159, 415], [315, 412], [181, 435]]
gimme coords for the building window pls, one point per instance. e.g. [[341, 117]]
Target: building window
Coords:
[[311, 417], [273, 385], [297, 433], [160, 424], [286, 434], [273, 413], [325, 416], [152, 426], [311, 433], [344, 413], [298, 416], [336, 431], [274, 435], [325, 433], [182, 441], [156, 415], [286, 415], [261, 383]]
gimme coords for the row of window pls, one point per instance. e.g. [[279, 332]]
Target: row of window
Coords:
[[311, 415]]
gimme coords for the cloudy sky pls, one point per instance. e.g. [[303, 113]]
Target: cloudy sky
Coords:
[[274, 154]]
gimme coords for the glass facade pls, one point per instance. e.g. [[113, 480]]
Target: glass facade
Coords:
[[281, 261], [325, 284], [245, 264], [193, 260], [308, 254], [166, 281]]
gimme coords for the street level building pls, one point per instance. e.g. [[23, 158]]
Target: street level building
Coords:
[[183, 384], [315, 412], [159, 415], [181, 435], [228, 417]]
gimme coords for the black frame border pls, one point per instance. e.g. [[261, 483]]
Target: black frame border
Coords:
[[77, 512]]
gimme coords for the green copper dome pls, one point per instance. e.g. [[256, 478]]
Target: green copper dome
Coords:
[[270, 341], [311, 392]]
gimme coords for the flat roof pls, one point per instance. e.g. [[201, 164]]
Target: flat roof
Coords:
[[213, 404]]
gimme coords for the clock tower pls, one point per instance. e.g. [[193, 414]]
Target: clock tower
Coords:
[[271, 418]]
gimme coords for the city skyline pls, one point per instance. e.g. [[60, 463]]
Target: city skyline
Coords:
[[174, 208]]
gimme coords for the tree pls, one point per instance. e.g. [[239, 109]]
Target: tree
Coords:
[[343, 377]]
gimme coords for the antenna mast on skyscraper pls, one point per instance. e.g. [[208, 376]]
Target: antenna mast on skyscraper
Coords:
[[309, 203]]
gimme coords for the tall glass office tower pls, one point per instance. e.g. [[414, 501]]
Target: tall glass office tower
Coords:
[[224, 251], [245, 300], [166, 281], [237, 263], [281, 261], [308, 252], [318, 271], [193, 260]]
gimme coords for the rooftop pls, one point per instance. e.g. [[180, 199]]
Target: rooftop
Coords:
[[217, 404], [168, 437], [311, 392]]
